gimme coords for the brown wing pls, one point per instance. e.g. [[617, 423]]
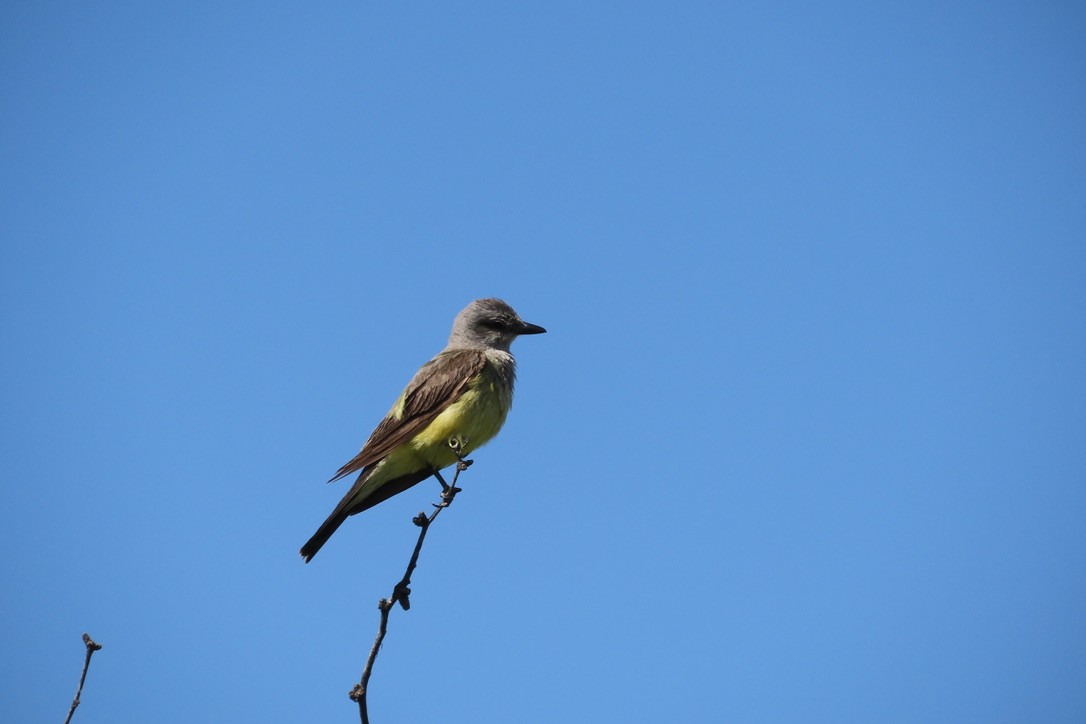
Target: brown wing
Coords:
[[439, 383]]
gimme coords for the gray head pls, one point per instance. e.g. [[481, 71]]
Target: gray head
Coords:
[[489, 324]]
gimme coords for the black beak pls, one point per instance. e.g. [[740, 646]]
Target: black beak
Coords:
[[526, 328]]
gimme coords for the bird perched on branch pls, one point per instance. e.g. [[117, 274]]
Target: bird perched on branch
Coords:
[[453, 405]]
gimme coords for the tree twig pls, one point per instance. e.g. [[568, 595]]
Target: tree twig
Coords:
[[401, 592], [91, 648]]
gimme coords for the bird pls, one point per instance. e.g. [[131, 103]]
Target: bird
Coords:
[[455, 403]]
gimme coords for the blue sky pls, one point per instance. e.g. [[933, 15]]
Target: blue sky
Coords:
[[806, 440]]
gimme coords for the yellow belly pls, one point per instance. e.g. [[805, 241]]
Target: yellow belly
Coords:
[[472, 421]]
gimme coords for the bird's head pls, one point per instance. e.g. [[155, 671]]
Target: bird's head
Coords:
[[489, 324]]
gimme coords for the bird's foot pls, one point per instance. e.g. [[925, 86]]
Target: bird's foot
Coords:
[[447, 496]]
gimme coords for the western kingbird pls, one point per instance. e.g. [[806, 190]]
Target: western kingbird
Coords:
[[453, 405]]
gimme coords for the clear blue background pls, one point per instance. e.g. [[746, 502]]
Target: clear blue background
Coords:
[[806, 440]]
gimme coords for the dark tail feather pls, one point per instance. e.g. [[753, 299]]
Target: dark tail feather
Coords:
[[328, 527], [345, 509]]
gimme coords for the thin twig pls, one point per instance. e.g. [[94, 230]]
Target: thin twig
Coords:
[[401, 592], [91, 648]]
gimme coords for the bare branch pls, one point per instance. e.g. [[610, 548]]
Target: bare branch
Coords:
[[91, 648], [401, 592]]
